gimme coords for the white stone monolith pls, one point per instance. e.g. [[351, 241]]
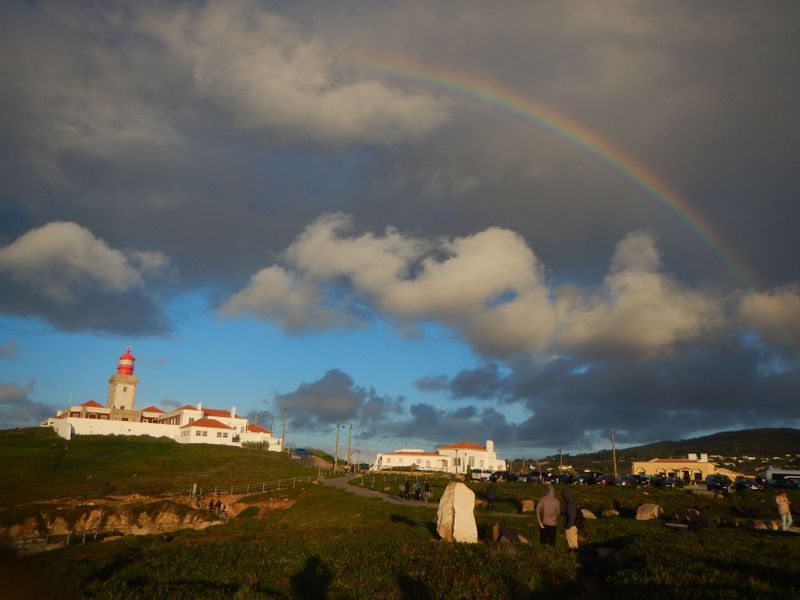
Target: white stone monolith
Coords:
[[455, 520]]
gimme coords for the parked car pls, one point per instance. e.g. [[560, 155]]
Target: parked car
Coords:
[[585, 478], [481, 473], [533, 477], [674, 482], [604, 480], [718, 482], [786, 483], [628, 481], [503, 476], [745, 483]]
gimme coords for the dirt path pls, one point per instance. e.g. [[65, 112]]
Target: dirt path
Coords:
[[343, 483]]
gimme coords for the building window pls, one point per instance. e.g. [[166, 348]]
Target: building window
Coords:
[[125, 388], [124, 418], [191, 419], [219, 434], [197, 433], [225, 434], [205, 434]]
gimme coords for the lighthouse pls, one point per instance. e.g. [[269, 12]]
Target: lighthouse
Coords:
[[122, 389]]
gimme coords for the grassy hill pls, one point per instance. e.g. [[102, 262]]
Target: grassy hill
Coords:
[[36, 464], [747, 442]]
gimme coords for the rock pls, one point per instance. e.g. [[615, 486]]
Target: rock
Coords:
[[455, 518], [587, 514], [757, 524], [701, 522], [387, 489], [609, 512], [775, 525], [687, 515], [527, 506], [648, 511], [728, 521], [512, 537], [491, 533], [58, 526]]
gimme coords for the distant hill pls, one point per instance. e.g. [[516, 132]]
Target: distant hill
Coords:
[[762, 443]]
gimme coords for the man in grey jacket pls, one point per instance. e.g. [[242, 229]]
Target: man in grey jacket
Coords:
[[547, 511]]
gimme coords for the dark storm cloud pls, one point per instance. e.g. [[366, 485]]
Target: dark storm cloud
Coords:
[[335, 398], [9, 349], [19, 409], [575, 404], [439, 426]]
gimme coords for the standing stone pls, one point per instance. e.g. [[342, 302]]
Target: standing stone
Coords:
[[455, 520], [610, 512], [587, 514], [527, 506]]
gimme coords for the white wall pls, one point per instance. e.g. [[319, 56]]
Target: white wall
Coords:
[[70, 426]]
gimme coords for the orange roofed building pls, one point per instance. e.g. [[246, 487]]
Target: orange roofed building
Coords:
[[187, 424], [460, 457]]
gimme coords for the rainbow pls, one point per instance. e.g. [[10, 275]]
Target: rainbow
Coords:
[[493, 93]]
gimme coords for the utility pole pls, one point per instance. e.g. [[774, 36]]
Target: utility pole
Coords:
[[560, 460], [349, 433], [614, 453], [358, 460], [336, 454], [283, 431]]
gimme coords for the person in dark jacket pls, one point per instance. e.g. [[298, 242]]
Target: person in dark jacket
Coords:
[[570, 515], [491, 494]]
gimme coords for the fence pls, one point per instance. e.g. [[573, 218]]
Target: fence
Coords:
[[248, 488]]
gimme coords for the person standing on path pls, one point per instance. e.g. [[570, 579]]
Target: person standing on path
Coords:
[[491, 494], [784, 509], [570, 515], [547, 510]]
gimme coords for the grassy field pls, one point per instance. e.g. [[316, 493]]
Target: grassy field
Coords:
[[36, 464], [329, 543]]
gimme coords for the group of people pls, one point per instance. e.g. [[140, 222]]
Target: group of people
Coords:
[[217, 507], [421, 491], [548, 510]]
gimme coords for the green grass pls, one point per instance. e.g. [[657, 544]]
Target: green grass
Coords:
[[338, 545], [36, 464]]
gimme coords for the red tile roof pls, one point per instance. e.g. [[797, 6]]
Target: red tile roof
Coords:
[[93, 404], [679, 460], [406, 453], [216, 412], [187, 407], [152, 409], [257, 429], [206, 423], [462, 446]]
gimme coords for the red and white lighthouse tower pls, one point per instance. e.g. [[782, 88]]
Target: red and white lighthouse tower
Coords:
[[122, 386]]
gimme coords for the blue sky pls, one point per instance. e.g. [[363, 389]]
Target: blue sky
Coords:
[[270, 225]]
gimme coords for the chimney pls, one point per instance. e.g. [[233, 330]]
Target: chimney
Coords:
[[489, 446], [233, 412], [703, 457], [692, 456], [199, 406]]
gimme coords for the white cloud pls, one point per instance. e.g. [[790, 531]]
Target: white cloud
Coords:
[[277, 295], [488, 286], [57, 259], [775, 314], [258, 66], [639, 308]]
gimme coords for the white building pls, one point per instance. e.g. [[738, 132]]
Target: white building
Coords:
[[187, 424], [453, 458]]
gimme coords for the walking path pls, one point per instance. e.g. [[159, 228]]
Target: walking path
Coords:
[[343, 483]]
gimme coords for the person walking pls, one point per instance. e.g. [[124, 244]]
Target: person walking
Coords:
[[570, 516], [491, 494], [547, 510], [407, 490], [426, 492], [784, 509]]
